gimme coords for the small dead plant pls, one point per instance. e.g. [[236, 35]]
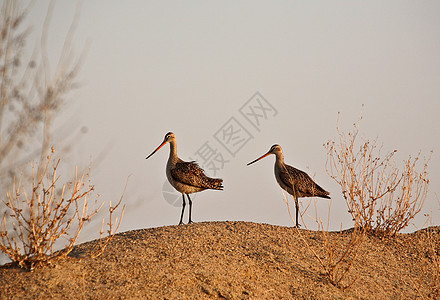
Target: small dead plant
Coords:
[[339, 256], [381, 198], [336, 257], [36, 219]]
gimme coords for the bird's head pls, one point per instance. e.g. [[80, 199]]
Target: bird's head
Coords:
[[169, 138], [275, 149]]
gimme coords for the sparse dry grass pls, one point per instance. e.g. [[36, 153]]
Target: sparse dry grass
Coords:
[[335, 255]]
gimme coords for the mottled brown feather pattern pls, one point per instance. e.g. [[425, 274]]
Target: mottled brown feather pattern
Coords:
[[304, 186], [191, 174]]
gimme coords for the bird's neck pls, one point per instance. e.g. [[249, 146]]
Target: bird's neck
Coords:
[[279, 159], [173, 153]]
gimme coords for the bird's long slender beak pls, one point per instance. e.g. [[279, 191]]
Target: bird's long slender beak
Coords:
[[161, 145], [268, 153]]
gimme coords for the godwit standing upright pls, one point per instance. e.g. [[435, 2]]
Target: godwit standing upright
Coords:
[[294, 181], [186, 177]]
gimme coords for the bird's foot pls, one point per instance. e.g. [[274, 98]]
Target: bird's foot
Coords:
[[181, 223], [190, 222]]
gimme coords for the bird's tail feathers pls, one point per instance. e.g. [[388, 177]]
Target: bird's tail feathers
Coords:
[[216, 183]]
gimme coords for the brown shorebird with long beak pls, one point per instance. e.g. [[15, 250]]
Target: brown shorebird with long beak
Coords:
[[186, 177], [294, 181]]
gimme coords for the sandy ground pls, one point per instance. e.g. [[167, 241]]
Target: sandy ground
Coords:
[[236, 260]]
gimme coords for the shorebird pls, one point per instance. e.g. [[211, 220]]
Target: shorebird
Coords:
[[186, 177], [296, 182]]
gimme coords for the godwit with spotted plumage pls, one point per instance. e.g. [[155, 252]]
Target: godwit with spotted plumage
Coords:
[[186, 177], [294, 181]]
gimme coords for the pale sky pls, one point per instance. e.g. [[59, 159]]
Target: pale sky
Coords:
[[193, 67]]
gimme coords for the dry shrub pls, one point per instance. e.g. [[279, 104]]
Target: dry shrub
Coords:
[[381, 198], [32, 89], [44, 214]]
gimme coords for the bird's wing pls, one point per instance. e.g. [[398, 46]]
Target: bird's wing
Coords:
[[190, 173], [301, 182]]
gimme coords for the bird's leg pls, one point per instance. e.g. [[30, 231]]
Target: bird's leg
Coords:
[[190, 209], [297, 210], [183, 209]]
